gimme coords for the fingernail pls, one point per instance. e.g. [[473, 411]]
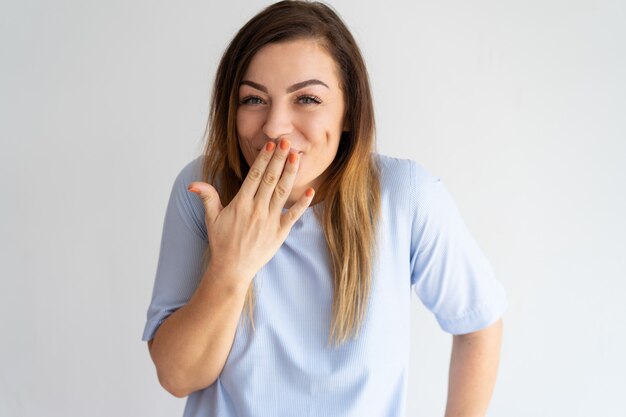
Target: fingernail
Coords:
[[284, 144], [193, 189], [293, 157], [269, 146], [309, 192]]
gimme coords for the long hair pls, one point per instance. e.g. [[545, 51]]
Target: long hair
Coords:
[[351, 190]]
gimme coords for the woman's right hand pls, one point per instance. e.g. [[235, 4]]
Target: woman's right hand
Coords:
[[245, 235]]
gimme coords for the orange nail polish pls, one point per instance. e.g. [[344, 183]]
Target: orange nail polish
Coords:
[[309, 192], [284, 144], [293, 157], [269, 146]]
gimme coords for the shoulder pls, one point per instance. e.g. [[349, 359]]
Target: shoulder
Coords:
[[185, 204], [192, 170], [411, 191], [404, 174]]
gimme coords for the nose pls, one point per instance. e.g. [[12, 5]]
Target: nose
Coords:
[[278, 122]]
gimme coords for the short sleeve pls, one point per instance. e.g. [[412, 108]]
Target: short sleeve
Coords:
[[183, 243], [449, 272]]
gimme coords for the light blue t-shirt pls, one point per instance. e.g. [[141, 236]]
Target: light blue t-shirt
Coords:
[[285, 368]]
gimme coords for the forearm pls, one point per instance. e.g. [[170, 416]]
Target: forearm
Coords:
[[191, 346], [473, 370]]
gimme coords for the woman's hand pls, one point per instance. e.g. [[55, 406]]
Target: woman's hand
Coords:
[[246, 234]]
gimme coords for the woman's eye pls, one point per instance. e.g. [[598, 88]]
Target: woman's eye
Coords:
[[306, 99], [251, 100], [309, 100]]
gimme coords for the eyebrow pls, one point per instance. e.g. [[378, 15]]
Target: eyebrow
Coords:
[[291, 89]]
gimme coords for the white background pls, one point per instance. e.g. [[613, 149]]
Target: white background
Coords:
[[518, 106]]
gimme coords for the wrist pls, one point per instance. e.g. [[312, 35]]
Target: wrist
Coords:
[[232, 280]]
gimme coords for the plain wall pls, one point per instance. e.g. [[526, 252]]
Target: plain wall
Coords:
[[518, 106]]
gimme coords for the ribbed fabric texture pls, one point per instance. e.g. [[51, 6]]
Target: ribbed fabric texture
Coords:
[[284, 368]]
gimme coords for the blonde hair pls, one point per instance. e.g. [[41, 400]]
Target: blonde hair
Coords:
[[351, 190]]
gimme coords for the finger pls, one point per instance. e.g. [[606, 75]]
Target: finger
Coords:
[[285, 184], [251, 183], [210, 198], [288, 218], [272, 174]]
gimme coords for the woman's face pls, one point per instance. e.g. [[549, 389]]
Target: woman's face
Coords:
[[292, 90]]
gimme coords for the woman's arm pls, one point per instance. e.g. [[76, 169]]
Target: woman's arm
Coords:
[[473, 370], [191, 346]]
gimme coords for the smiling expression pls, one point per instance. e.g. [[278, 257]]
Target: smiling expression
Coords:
[[292, 90]]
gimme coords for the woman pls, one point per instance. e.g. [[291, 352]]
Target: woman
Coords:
[[283, 285]]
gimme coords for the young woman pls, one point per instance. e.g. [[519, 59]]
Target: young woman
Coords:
[[290, 247]]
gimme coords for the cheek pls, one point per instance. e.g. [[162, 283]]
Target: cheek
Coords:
[[318, 127], [241, 123], [246, 123], [245, 146]]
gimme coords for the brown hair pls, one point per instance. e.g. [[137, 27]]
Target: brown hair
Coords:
[[351, 191]]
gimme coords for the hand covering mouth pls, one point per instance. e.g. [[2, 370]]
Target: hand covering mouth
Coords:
[[296, 150]]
